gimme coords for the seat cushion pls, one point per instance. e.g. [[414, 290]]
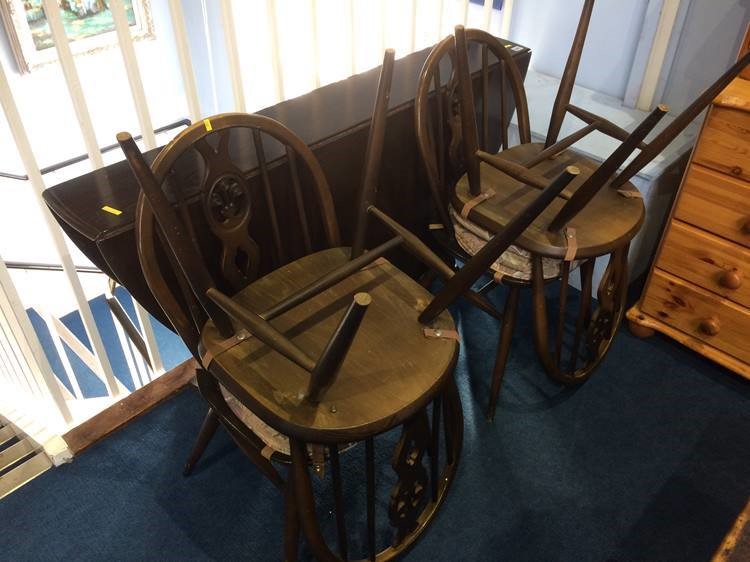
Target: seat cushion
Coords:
[[515, 262], [272, 438], [391, 370]]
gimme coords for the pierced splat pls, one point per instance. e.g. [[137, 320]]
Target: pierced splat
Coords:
[[611, 303], [410, 492], [228, 209], [595, 331]]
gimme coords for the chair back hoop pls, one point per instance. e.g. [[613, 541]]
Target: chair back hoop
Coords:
[[565, 90], [374, 152], [224, 194], [439, 139], [178, 304], [468, 119]]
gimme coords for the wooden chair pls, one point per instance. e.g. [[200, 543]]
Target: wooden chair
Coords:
[[326, 349], [583, 223], [451, 144]]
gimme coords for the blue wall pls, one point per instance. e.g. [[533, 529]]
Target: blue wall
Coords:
[[548, 27], [708, 45]]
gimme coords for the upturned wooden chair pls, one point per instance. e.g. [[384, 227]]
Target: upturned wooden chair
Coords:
[[325, 350], [458, 123], [585, 222]]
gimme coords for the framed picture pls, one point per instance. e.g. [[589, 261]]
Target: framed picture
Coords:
[[88, 25]]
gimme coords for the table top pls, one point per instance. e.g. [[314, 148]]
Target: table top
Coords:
[[316, 118]]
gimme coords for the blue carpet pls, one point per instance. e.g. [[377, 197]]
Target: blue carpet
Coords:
[[646, 461], [171, 348]]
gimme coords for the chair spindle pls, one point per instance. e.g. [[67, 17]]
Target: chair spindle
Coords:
[[338, 498], [370, 475], [298, 199], [268, 194], [586, 273]]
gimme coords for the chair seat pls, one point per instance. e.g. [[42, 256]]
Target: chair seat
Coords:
[[515, 262], [608, 221], [391, 370]]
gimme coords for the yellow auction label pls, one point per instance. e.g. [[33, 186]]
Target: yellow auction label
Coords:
[[207, 124], [112, 210]]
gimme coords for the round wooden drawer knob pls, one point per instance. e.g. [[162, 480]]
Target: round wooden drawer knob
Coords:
[[710, 326], [746, 227], [731, 279]]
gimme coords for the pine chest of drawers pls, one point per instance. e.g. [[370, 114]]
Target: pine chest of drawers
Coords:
[[698, 289]]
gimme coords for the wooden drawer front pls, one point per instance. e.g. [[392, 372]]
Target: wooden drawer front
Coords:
[[690, 308], [716, 203], [708, 261], [724, 144]]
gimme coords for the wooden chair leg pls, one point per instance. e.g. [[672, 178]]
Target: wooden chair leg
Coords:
[[291, 524], [503, 347], [208, 428]]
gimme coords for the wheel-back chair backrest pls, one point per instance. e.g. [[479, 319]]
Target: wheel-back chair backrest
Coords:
[[437, 122], [202, 175], [218, 178]]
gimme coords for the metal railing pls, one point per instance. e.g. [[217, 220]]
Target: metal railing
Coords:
[[81, 157]]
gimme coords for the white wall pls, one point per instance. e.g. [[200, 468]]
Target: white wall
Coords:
[[548, 27], [708, 45]]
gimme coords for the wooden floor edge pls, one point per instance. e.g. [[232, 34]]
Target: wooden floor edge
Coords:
[[130, 408], [637, 316]]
